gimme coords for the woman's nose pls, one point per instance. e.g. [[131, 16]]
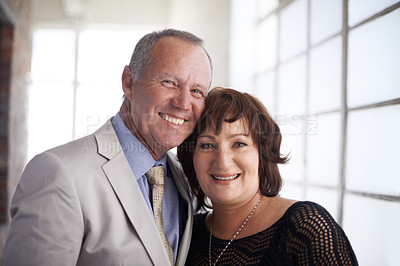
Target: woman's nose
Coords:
[[223, 159]]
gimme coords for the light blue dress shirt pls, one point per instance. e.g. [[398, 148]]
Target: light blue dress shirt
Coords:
[[140, 161]]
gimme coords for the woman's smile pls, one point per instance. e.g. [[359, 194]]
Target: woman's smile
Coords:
[[225, 177]]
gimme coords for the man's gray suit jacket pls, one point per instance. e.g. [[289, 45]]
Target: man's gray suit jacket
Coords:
[[79, 204]]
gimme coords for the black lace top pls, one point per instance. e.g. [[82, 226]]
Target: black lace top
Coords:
[[305, 235]]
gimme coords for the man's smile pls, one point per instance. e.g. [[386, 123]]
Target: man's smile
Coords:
[[173, 120]]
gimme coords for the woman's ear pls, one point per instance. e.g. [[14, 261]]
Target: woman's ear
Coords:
[[127, 82]]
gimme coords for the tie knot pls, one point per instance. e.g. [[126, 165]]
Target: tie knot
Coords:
[[155, 175]]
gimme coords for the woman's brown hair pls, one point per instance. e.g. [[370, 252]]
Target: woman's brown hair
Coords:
[[228, 105]]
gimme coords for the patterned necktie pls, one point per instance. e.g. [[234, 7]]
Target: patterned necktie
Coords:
[[155, 176]]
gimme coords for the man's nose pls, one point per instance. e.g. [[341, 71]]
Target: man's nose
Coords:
[[182, 99]]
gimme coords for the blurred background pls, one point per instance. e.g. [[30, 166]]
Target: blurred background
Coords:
[[328, 71]]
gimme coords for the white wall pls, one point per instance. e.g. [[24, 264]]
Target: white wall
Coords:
[[131, 12], [208, 19]]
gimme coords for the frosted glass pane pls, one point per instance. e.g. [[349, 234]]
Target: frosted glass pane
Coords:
[[292, 144], [328, 198], [293, 29], [326, 76], [372, 227], [362, 9], [292, 191], [266, 44], [49, 117], [103, 55], [323, 151], [246, 89], [374, 61], [264, 7], [290, 116], [292, 88], [242, 44], [53, 55], [326, 19], [265, 91], [373, 150], [94, 106]]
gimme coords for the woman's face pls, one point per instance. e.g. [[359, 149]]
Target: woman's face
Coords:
[[227, 164]]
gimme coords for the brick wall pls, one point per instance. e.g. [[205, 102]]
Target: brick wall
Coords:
[[15, 58], [6, 43]]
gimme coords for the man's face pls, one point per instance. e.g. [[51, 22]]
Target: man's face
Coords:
[[169, 98]]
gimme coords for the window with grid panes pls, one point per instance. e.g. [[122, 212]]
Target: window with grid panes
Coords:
[[329, 72]]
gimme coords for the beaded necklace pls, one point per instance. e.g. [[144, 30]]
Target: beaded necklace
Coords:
[[233, 238]]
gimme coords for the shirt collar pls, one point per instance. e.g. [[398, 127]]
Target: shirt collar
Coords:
[[138, 156]]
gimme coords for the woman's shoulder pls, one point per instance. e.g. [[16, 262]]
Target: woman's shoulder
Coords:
[[307, 210], [312, 225], [310, 216], [309, 207]]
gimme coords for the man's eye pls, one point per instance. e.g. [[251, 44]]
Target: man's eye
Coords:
[[197, 93], [168, 84]]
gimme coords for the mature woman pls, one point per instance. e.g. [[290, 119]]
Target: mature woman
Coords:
[[232, 159]]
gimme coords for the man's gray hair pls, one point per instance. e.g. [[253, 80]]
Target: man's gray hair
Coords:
[[142, 50]]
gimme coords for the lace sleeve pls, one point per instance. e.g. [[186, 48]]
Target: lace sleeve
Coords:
[[320, 240]]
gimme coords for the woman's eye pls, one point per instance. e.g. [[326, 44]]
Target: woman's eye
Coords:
[[206, 146], [168, 83], [240, 144]]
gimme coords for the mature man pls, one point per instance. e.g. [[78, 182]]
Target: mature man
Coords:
[[98, 200]]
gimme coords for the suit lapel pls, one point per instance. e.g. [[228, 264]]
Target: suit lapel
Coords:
[[129, 194]]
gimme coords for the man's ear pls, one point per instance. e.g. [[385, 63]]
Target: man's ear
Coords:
[[127, 82]]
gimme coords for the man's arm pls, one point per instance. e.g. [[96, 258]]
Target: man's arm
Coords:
[[47, 222]]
